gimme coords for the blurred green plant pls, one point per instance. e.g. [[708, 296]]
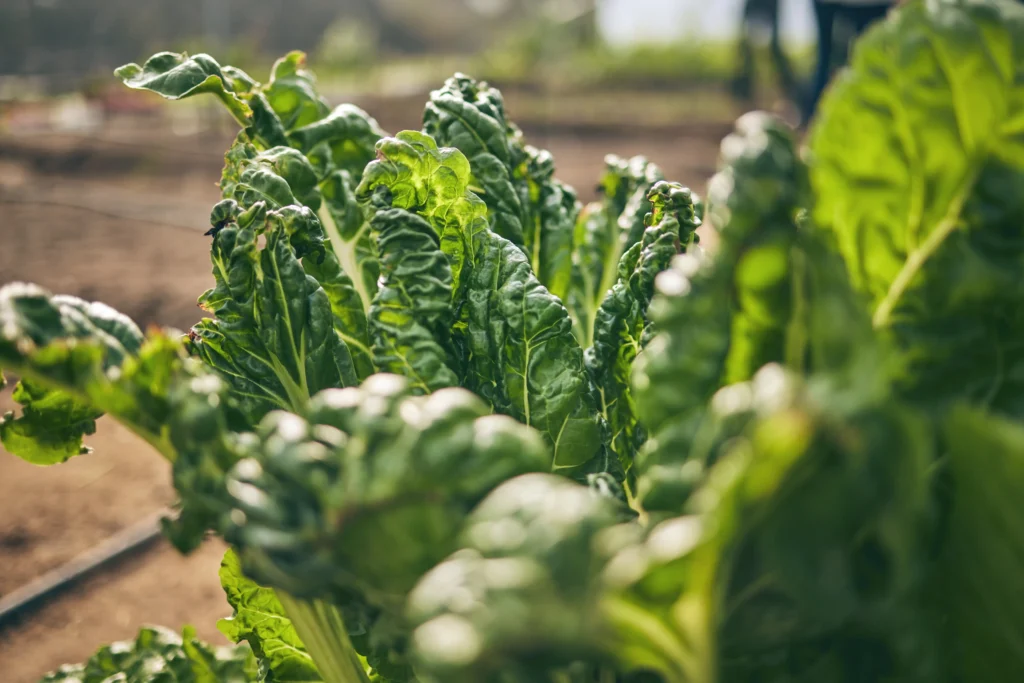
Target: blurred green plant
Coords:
[[347, 44]]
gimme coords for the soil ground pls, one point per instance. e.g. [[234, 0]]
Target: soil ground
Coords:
[[94, 218]]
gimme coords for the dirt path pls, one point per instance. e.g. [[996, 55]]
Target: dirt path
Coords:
[[136, 243]]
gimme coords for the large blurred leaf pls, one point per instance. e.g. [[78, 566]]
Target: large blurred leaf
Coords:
[[719, 320], [918, 171], [51, 425], [370, 491], [804, 554], [976, 579], [521, 591], [78, 360]]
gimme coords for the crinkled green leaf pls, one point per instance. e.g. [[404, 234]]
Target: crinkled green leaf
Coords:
[[177, 76], [918, 172], [470, 116], [522, 355], [411, 318], [345, 263], [719, 320], [266, 130], [260, 620], [641, 176], [282, 177], [279, 176], [292, 92], [411, 173], [347, 307], [549, 233], [219, 664], [504, 208], [621, 325], [158, 655], [599, 240], [273, 339]]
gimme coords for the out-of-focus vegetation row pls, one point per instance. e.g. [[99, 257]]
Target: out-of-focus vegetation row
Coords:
[[49, 46]]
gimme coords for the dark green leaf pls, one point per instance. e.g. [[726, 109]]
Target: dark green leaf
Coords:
[[411, 317], [523, 357], [470, 116], [350, 269], [604, 231], [347, 133], [273, 340], [292, 93], [621, 325], [177, 76], [976, 578], [553, 209]]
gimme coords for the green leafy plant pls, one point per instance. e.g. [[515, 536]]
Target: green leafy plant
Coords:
[[457, 427]]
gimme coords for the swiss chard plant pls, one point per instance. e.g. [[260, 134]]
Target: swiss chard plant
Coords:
[[457, 427]]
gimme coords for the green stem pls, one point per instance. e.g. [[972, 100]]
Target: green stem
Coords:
[[345, 252], [666, 651], [796, 336], [322, 631]]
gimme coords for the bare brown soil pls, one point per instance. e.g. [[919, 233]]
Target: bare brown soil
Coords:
[[134, 240]]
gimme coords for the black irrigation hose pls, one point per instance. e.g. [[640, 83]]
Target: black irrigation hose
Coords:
[[121, 545], [116, 215]]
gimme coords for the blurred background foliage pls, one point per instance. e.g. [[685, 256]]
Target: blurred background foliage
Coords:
[[397, 46]]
